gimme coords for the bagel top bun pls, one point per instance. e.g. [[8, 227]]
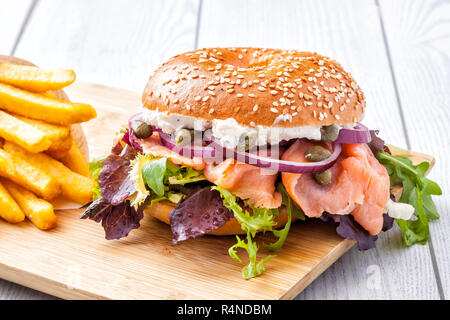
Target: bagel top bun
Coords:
[[256, 87]]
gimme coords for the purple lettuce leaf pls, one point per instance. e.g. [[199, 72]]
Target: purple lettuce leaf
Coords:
[[377, 144], [348, 228], [118, 220], [115, 185], [201, 213], [121, 220], [97, 210]]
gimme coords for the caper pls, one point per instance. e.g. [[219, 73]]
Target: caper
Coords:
[[183, 137], [317, 153], [141, 129], [246, 142], [323, 178], [329, 133]]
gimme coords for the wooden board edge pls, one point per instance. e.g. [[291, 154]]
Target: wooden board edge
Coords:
[[54, 288], [318, 269]]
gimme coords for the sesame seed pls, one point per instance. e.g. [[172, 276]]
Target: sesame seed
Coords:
[[239, 95], [255, 107], [205, 99], [261, 89], [197, 98], [211, 110], [251, 95], [230, 90], [273, 92], [275, 103], [274, 110], [252, 124]]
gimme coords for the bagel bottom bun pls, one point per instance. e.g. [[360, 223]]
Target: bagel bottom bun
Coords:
[[161, 211], [77, 131]]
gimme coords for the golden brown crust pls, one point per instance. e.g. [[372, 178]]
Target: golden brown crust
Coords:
[[255, 86], [161, 210]]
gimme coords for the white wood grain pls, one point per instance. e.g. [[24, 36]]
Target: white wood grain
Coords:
[[12, 15], [349, 31], [116, 43], [418, 33]]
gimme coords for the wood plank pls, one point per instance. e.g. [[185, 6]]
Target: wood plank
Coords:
[[109, 42], [12, 15], [418, 34], [74, 260], [332, 28]]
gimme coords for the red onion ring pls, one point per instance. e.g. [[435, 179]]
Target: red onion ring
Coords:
[[359, 134], [214, 151], [280, 165], [191, 151]]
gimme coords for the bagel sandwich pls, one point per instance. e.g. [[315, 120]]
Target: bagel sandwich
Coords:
[[237, 141]]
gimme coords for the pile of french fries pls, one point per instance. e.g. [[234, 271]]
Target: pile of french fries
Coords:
[[39, 158]]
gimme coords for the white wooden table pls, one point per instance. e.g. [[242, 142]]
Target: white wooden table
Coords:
[[398, 50]]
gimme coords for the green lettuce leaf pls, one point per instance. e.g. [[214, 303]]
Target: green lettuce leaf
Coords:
[[95, 166], [417, 191], [153, 173], [185, 175], [155, 176]]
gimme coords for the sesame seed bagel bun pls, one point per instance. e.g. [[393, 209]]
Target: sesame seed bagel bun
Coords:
[[161, 211], [255, 87]]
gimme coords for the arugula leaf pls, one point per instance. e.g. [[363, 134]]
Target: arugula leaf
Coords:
[[261, 220], [95, 166], [417, 191]]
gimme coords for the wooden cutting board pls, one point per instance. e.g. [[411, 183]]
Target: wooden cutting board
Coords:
[[74, 261]]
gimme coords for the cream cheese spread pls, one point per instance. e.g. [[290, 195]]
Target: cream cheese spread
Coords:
[[228, 131]]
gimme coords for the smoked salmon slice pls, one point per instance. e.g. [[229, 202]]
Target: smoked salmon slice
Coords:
[[154, 146], [360, 185], [248, 182]]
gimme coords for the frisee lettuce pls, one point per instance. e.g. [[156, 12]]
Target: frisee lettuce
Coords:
[[252, 269], [291, 210], [261, 220], [417, 191]]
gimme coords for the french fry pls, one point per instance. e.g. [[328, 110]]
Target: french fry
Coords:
[[9, 209], [59, 136], [35, 79], [39, 211], [42, 107], [25, 135], [73, 185], [27, 175], [76, 161], [60, 149]]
